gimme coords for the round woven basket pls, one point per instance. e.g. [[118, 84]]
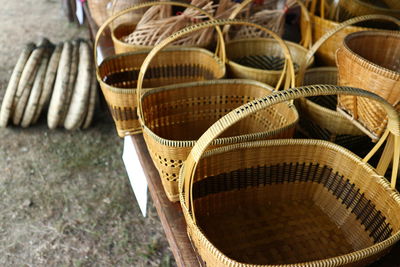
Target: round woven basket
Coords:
[[174, 117], [290, 202], [320, 26], [124, 29], [117, 75], [362, 7], [329, 124], [261, 59], [374, 67], [319, 118]]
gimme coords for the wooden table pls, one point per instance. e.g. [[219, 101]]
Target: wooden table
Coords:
[[170, 213]]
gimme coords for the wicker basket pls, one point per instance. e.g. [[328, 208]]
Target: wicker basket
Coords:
[[293, 202], [325, 122], [174, 117], [124, 29], [319, 118], [319, 27], [362, 7], [130, 18], [118, 74], [374, 67], [261, 59]]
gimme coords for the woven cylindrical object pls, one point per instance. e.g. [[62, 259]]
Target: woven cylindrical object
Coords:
[[125, 29], [325, 122], [174, 117], [290, 202], [371, 61], [313, 27], [117, 75]]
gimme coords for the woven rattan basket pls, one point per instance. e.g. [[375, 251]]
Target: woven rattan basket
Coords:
[[319, 118], [260, 59], [174, 117], [118, 75], [330, 123], [313, 27], [125, 29], [374, 67], [362, 7], [293, 202]]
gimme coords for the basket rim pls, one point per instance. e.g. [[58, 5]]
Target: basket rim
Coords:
[[218, 141], [348, 28], [365, 63], [119, 90], [258, 39], [333, 261]]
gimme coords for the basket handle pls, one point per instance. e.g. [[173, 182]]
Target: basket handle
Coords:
[[189, 167], [220, 52], [288, 67], [332, 32]]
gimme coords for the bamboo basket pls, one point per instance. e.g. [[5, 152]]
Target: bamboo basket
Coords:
[[117, 75], [361, 8], [319, 118], [290, 202], [260, 59], [131, 18], [174, 117], [313, 27], [374, 67], [124, 29], [329, 124]]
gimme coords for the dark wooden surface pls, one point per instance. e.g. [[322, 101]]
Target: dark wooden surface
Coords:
[[170, 213]]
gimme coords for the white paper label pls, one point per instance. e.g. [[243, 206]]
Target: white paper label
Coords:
[[79, 11], [135, 172]]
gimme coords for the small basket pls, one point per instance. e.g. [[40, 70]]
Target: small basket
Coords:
[[118, 74], [361, 7], [126, 28], [132, 17], [374, 67], [319, 118], [174, 117], [326, 123], [293, 202], [261, 59], [313, 27]]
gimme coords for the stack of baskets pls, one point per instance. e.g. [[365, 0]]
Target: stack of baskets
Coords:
[[251, 195]]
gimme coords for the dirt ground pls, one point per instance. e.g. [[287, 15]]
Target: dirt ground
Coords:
[[65, 196]]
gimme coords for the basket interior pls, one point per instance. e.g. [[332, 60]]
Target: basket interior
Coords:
[[256, 209], [186, 112], [382, 49], [168, 67], [263, 54]]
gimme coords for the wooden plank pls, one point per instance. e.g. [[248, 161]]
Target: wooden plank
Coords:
[[170, 213]]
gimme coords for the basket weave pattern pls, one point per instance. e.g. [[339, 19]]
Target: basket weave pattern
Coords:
[[374, 69], [295, 202]]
